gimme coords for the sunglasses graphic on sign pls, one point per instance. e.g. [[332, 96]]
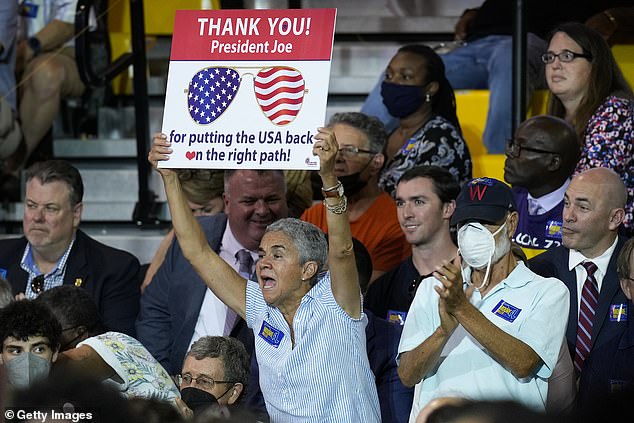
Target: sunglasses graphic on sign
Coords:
[[279, 92]]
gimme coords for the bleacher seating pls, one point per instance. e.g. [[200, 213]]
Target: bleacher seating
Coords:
[[472, 107]]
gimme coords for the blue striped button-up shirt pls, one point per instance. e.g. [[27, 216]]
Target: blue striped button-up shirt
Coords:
[[325, 376]]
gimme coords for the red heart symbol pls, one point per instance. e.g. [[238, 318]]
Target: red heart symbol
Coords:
[[190, 154]]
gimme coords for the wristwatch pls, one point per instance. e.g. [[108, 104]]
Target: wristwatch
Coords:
[[333, 192], [35, 45]]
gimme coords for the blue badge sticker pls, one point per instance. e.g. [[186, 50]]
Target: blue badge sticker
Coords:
[[397, 317], [271, 335], [28, 9], [618, 313], [553, 229], [409, 146], [617, 386], [3, 273], [506, 311]]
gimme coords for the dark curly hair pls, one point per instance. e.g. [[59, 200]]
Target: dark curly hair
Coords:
[[25, 318]]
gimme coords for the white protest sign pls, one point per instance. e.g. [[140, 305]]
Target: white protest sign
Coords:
[[247, 88]]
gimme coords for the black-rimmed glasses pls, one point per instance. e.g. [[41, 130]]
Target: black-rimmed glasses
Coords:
[[37, 284], [205, 382], [349, 151], [514, 149], [566, 56]]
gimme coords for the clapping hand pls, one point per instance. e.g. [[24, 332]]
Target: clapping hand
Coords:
[[451, 293]]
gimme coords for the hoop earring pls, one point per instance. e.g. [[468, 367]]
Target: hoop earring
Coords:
[[428, 98]]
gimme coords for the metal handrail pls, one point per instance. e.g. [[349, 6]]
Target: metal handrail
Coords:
[[519, 64], [145, 210], [90, 76]]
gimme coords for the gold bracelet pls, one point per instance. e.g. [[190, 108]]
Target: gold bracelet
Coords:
[[611, 17], [338, 208], [336, 187]]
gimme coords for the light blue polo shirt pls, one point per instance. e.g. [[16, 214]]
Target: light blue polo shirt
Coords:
[[325, 376], [525, 305]]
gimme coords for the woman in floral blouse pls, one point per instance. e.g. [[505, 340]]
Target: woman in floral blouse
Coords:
[[589, 91], [416, 91]]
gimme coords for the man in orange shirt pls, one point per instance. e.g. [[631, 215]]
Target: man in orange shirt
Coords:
[[372, 213]]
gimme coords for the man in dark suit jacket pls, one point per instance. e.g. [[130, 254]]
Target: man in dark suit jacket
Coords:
[[382, 339], [593, 212], [175, 306], [609, 368], [170, 305], [54, 251]]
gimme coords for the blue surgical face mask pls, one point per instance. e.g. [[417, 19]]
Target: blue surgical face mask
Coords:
[[401, 100], [26, 368]]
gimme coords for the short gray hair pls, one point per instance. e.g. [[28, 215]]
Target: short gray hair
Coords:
[[309, 240], [370, 126], [234, 356]]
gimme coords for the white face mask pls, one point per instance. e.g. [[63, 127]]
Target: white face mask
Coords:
[[26, 368], [477, 247]]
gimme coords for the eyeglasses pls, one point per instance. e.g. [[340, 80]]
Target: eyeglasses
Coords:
[[205, 382], [349, 151], [566, 56], [37, 284], [514, 149], [279, 91]]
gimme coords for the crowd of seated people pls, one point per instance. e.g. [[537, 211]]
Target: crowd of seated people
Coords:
[[253, 315], [482, 55]]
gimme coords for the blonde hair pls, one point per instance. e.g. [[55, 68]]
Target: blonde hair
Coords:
[[201, 185]]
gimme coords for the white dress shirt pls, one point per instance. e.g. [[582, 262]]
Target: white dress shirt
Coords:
[[215, 318], [575, 258]]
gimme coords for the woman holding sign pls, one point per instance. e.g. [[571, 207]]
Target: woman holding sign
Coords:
[[308, 322]]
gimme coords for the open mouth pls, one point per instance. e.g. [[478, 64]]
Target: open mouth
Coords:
[[268, 283]]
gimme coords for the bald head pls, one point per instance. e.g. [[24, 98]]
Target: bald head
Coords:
[[555, 134], [612, 188], [593, 211], [545, 155], [555, 130]]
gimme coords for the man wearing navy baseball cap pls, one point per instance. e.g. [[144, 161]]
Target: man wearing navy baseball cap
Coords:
[[483, 326]]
